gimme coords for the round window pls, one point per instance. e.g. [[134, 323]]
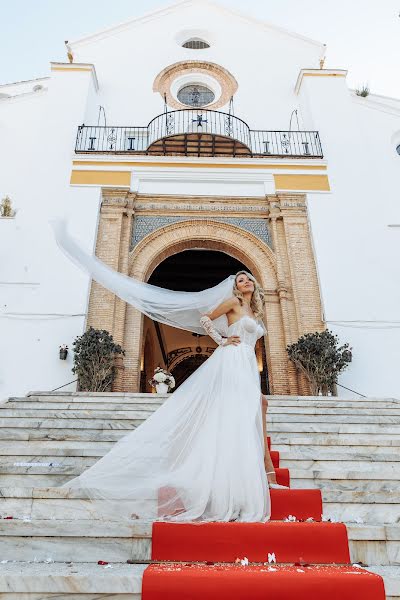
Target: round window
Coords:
[[195, 95], [398, 149]]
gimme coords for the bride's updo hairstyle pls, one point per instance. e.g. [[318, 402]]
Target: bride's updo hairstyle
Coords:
[[257, 301]]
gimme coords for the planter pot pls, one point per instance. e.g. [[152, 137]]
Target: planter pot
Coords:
[[63, 354], [162, 388]]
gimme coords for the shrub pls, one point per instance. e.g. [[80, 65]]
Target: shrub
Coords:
[[6, 209], [319, 357], [94, 360]]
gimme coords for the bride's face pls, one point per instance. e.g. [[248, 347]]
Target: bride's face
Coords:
[[244, 284]]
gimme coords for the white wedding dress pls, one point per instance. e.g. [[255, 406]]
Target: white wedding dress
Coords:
[[200, 456]]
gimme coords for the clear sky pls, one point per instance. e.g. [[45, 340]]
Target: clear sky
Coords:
[[362, 36]]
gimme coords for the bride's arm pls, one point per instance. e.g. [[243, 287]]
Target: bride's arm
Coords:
[[221, 309]]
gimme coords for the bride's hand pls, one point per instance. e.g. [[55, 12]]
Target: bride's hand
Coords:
[[232, 339]]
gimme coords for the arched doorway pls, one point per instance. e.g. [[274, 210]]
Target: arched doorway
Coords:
[[284, 265], [182, 352]]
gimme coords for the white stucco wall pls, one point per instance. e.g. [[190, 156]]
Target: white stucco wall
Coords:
[[357, 253]]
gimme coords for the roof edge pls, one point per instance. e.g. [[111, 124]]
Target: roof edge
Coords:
[[171, 7]]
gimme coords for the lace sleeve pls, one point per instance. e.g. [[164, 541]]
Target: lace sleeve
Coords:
[[206, 323]]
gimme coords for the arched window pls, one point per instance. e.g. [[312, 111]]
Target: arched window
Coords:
[[195, 95], [196, 44]]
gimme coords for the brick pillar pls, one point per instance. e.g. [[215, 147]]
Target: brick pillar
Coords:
[[297, 255], [289, 326], [106, 311]]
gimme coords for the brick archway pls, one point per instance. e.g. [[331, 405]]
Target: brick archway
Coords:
[[287, 273], [211, 235]]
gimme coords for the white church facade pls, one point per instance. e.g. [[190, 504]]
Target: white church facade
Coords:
[[180, 152]]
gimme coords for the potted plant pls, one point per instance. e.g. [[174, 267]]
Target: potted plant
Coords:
[[63, 352], [162, 380], [94, 355], [319, 357]]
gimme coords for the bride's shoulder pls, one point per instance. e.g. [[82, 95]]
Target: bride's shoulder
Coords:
[[232, 302]]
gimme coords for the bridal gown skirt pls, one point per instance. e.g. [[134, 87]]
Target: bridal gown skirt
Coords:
[[200, 456]]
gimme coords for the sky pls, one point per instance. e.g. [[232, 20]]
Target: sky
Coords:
[[362, 36]]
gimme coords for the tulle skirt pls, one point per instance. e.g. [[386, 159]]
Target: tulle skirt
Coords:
[[199, 457]]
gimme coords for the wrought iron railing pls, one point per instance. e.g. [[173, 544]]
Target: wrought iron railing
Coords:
[[198, 131]]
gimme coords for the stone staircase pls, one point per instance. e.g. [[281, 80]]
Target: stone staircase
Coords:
[[347, 448]]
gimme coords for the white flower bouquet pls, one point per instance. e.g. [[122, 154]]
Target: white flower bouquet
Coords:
[[162, 380]]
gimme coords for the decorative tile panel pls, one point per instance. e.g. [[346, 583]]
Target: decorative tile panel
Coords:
[[143, 225]]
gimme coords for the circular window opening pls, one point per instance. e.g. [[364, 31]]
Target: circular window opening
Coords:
[[398, 148], [195, 95], [196, 44]]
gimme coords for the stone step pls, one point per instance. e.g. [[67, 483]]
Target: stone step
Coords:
[[143, 397], [75, 465], [60, 581], [274, 426], [361, 443], [336, 439], [338, 479], [92, 406], [18, 450], [334, 434], [54, 448], [380, 480], [30, 417], [55, 581], [89, 541], [28, 407], [342, 505], [95, 435]]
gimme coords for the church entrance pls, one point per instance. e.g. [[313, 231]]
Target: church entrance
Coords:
[[169, 241], [182, 352]]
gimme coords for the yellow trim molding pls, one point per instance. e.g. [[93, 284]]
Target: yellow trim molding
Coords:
[[191, 165], [302, 182], [114, 178], [69, 69], [318, 73]]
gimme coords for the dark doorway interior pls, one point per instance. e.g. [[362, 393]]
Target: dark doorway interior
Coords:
[[192, 271]]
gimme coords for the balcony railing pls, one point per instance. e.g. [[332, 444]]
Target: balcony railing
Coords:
[[198, 133]]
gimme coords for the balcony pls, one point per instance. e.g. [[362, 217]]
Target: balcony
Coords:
[[200, 133]]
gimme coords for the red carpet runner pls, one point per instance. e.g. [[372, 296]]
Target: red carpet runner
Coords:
[[197, 561]]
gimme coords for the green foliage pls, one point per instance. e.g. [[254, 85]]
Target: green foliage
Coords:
[[94, 353], [363, 91], [6, 209], [320, 358]]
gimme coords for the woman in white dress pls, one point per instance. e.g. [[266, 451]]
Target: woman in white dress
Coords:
[[203, 455]]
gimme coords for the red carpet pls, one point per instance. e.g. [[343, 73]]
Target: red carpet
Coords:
[[203, 582], [302, 504], [323, 547], [224, 542], [275, 458], [283, 476]]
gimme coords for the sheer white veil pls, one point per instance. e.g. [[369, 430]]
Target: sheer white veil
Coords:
[[178, 309]]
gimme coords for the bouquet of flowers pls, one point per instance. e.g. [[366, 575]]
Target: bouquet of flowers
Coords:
[[162, 376]]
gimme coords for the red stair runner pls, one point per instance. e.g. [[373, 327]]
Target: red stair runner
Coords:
[[233, 582], [224, 542], [319, 552]]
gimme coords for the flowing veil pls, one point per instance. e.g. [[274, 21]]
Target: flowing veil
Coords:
[[200, 455], [178, 309]]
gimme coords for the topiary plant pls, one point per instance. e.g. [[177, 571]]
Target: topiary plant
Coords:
[[318, 356], [94, 360]]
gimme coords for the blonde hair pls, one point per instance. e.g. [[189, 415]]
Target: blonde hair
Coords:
[[257, 301]]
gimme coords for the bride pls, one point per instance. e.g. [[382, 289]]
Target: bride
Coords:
[[203, 455]]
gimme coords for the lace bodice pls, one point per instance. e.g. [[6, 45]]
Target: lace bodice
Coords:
[[248, 329]]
